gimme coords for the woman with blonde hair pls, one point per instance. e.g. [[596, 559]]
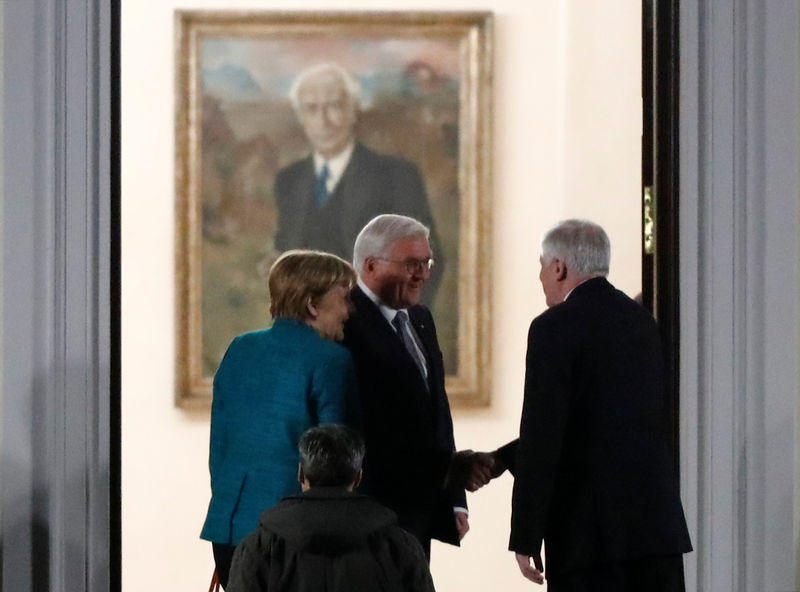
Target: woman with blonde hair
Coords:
[[271, 386]]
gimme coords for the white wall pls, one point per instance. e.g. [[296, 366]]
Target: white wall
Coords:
[[2, 161], [567, 137]]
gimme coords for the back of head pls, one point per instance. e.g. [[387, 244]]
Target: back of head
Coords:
[[380, 233], [581, 244], [331, 455], [330, 522], [301, 276]]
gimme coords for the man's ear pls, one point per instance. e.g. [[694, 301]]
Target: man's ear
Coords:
[[561, 270], [369, 264], [301, 476]]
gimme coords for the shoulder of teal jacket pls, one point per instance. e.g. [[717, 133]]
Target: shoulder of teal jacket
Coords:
[[288, 335]]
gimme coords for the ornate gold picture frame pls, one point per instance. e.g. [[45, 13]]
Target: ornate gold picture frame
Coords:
[[425, 83]]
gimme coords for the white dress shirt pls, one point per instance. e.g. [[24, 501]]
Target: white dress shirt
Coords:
[[336, 166]]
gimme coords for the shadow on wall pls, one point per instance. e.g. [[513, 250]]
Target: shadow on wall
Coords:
[[55, 529]]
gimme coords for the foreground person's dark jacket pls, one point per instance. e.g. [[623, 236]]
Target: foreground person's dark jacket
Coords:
[[329, 539]]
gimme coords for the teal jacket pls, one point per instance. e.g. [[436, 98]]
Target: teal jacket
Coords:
[[271, 386]]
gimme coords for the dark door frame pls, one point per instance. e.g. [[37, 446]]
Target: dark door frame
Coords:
[[660, 181]]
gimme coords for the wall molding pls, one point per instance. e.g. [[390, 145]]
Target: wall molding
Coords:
[[739, 317], [55, 460]]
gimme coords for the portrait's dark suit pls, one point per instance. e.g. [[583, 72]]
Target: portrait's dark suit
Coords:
[[593, 467], [372, 184], [407, 424]]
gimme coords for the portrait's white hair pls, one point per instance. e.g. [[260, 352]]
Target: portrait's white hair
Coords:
[[581, 244], [350, 82], [380, 233]]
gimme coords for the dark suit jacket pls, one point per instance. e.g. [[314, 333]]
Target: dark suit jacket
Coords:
[[407, 427], [372, 184], [593, 468]]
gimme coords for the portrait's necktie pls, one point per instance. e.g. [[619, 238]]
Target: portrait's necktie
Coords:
[[401, 323], [321, 188]]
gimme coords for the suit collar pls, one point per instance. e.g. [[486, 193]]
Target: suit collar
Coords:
[[355, 164], [387, 311], [369, 315], [590, 286], [364, 306]]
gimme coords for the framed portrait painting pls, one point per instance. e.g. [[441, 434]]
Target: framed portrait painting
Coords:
[[417, 142]]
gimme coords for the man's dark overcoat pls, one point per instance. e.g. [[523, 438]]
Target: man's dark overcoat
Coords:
[[329, 540], [594, 476], [407, 424]]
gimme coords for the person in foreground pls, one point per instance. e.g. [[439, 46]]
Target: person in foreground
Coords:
[[328, 538], [594, 475], [271, 386], [410, 465]]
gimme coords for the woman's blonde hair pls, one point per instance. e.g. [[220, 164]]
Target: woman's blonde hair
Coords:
[[301, 277]]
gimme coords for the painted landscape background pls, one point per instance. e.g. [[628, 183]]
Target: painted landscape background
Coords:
[[249, 132]]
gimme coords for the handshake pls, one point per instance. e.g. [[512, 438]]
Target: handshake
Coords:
[[472, 470]]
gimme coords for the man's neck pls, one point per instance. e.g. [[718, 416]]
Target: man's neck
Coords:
[[388, 312], [338, 160], [367, 290], [306, 487]]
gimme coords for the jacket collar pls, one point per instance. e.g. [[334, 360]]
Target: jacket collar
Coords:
[[590, 286]]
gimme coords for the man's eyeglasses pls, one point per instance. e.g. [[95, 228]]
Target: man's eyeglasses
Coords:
[[413, 265]]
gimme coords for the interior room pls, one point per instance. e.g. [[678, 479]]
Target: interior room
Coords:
[[566, 143], [104, 479]]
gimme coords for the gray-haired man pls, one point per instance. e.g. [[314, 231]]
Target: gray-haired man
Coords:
[[411, 464], [593, 467]]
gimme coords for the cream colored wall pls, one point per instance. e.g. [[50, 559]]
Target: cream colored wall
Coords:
[[2, 162], [567, 137]]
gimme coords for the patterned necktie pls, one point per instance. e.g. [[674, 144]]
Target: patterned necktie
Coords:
[[321, 194], [401, 323]]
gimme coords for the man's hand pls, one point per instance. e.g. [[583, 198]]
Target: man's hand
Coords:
[[462, 524], [469, 470], [498, 466], [534, 573]]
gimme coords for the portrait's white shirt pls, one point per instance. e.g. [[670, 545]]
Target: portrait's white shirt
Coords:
[[336, 166]]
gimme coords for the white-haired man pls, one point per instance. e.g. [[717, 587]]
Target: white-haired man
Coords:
[[411, 465], [593, 467], [324, 200]]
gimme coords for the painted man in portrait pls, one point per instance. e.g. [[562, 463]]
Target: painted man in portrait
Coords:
[[326, 198]]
